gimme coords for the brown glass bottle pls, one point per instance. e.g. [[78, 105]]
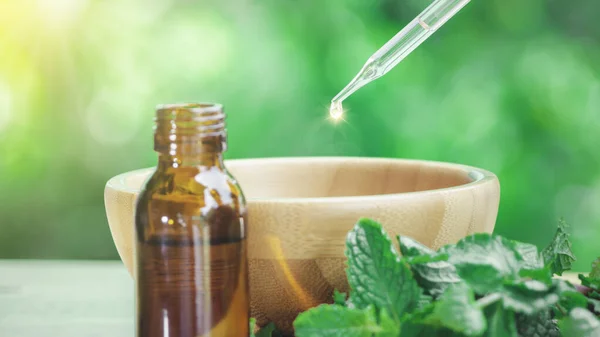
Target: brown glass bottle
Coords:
[[191, 265]]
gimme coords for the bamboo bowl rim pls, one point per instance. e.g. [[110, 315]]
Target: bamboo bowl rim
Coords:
[[476, 175]]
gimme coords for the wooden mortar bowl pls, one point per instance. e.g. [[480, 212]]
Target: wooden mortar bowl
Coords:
[[300, 210]]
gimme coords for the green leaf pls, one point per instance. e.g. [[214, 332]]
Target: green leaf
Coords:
[[422, 259], [432, 275], [538, 325], [420, 330], [457, 310], [532, 259], [558, 255], [543, 275], [485, 261], [424, 301], [389, 327], [412, 248], [574, 299], [339, 298], [376, 274], [595, 273], [580, 323], [594, 301], [413, 329], [562, 286], [336, 321], [268, 330], [595, 304], [252, 326], [594, 294], [413, 325], [569, 296], [589, 282], [593, 279], [528, 297], [500, 322]]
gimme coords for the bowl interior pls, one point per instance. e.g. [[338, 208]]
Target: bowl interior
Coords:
[[282, 178]]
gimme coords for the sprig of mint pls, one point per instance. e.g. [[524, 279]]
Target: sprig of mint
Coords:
[[558, 255], [484, 285]]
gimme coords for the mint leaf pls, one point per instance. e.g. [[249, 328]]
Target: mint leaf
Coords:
[[595, 273], [589, 282], [433, 273], [252, 326], [412, 248], [410, 329], [528, 297], [593, 298], [538, 325], [543, 275], [435, 277], [562, 286], [422, 259], [594, 301], [424, 301], [500, 322], [457, 310], [336, 321], [569, 298], [376, 274], [532, 259], [389, 327], [595, 305], [268, 330], [580, 323], [485, 261], [339, 298], [572, 300], [558, 255], [413, 325], [593, 279]]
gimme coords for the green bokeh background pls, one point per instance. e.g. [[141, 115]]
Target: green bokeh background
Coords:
[[511, 86]]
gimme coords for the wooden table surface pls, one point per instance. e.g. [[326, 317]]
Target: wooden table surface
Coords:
[[68, 299], [65, 299]]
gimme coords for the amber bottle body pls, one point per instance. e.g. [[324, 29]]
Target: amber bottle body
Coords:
[[191, 265]]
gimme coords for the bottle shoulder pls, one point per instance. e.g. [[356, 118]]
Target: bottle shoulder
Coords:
[[175, 204], [205, 186]]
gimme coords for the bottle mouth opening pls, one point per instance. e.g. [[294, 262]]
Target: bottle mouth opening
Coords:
[[198, 108], [203, 113]]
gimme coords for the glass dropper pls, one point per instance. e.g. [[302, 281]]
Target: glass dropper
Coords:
[[396, 49]]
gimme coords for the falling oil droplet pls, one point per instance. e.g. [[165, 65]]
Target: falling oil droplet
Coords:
[[336, 110]]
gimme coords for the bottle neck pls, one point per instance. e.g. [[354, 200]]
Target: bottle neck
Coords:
[[189, 135], [166, 161]]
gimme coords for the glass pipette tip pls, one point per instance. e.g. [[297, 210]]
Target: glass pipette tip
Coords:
[[398, 48]]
